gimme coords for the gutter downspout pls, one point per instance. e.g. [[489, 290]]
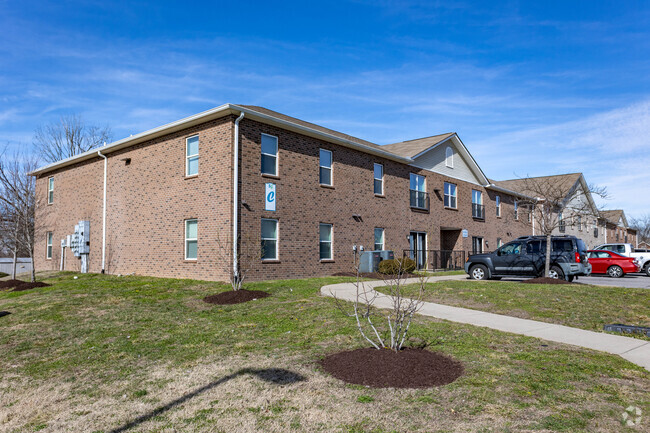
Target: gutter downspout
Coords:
[[235, 200], [104, 213]]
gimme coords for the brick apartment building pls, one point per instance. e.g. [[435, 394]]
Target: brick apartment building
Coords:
[[170, 193], [617, 228]]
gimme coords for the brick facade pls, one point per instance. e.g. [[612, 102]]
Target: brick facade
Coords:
[[150, 198]]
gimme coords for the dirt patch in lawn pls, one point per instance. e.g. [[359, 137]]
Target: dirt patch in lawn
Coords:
[[374, 275], [408, 368], [546, 280], [9, 284], [28, 286], [235, 297]]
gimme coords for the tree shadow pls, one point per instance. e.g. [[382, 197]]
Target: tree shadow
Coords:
[[4, 313], [277, 376]]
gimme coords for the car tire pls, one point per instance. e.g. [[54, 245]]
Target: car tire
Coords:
[[478, 272], [646, 269], [570, 278], [615, 271], [556, 273]]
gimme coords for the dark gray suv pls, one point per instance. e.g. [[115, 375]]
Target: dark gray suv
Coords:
[[526, 255]]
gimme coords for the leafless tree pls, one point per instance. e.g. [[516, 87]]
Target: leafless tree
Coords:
[[68, 137], [18, 198], [381, 329], [551, 204], [249, 253], [642, 227]]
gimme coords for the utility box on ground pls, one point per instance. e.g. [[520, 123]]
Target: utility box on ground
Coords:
[[369, 260]]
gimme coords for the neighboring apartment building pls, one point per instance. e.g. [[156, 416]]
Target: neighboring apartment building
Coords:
[[618, 229], [307, 194], [578, 214]]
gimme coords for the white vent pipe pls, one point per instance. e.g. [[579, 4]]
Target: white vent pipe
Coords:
[[104, 212], [235, 199]]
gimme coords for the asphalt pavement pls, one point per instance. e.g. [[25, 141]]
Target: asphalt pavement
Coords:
[[637, 281]]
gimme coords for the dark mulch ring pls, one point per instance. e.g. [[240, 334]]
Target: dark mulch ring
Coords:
[[28, 286], [235, 297], [408, 368], [546, 280], [10, 284], [373, 275]]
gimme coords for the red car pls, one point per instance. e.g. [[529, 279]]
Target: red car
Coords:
[[611, 263]]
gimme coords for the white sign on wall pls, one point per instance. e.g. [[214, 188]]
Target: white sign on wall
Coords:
[[465, 233], [269, 201]]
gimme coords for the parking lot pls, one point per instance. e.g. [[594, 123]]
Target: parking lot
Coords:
[[639, 281]]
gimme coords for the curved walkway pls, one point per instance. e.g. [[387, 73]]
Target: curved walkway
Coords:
[[632, 349]]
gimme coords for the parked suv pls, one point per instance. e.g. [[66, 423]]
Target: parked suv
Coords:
[[526, 256]]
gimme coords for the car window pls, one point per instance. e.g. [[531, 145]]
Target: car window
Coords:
[[581, 245], [607, 247], [562, 245], [603, 255], [533, 247], [508, 249], [620, 249]]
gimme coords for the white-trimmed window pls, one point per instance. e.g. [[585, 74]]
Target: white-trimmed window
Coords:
[[269, 239], [50, 190], [451, 197], [48, 252], [192, 156], [325, 164], [325, 241], [516, 210], [499, 242], [478, 211], [269, 155], [449, 157], [379, 239], [191, 239], [379, 179], [498, 206], [579, 220]]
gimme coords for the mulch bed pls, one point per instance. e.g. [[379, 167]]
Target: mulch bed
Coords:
[[29, 286], [408, 368], [546, 280], [235, 297], [9, 284], [373, 275]]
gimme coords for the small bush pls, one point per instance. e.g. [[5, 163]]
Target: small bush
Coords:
[[2, 275], [393, 267]]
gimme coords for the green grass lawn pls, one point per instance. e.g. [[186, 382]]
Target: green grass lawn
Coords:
[[581, 306], [95, 353]]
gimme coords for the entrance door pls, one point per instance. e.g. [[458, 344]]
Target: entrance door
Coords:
[[418, 247], [477, 245]]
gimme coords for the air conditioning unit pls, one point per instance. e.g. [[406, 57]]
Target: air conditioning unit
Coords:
[[369, 260], [386, 255]]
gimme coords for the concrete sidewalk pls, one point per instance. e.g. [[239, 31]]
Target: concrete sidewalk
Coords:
[[632, 349]]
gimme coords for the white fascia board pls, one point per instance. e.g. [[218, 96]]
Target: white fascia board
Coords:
[[211, 114]]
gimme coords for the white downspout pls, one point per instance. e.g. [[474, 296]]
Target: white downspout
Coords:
[[104, 213], [235, 198]]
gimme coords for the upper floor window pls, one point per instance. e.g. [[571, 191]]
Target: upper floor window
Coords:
[[379, 179], [379, 239], [50, 190], [325, 164], [192, 156], [560, 222], [269, 155], [325, 241], [269, 239], [50, 237], [579, 221], [450, 199], [418, 194], [478, 211], [449, 157], [191, 239], [516, 210], [498, 199]]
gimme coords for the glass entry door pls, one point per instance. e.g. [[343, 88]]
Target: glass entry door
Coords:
[[418, 247]]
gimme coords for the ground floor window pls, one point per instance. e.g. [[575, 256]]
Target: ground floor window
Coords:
[[326, 241], [269, 239], [48, 253], [191, 239], [499, 242], [477, 245], [379, 239]]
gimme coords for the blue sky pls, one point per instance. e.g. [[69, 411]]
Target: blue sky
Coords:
[[532, 88]]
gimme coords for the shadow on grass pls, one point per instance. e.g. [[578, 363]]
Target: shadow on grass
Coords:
[[4, 313], [277, 376]]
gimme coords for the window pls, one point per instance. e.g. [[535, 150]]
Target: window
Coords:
[[192, 156], [48, 253], [579, 219], [325, 174], [449, 157], [450, 195], [510, 249], [326, 241], [379, 239], [269, 239], [529, 215], [499, 206], [516, 210], [269, 155], [418, 195], [477, 245], [50, 190], [560, 222], [477, 204], [499, 242], [191, 239], [379, 179]]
